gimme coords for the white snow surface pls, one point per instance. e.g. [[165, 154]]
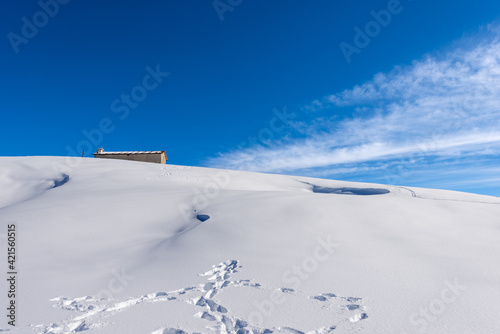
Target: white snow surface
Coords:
[[111, 246]]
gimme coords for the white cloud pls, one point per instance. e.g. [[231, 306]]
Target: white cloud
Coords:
[[444, 105]]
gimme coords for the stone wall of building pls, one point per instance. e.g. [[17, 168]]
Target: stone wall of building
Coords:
[[144, 157]]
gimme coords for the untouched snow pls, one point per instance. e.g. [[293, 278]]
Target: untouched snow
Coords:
[[116, 246]]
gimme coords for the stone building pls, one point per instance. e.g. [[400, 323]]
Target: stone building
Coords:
[[159, 157]]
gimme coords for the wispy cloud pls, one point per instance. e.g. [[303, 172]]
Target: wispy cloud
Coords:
[[441, 106]]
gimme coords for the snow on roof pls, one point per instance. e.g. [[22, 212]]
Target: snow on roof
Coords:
[[132, 152]]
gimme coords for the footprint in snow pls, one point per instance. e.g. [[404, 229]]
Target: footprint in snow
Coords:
[[219, 318]]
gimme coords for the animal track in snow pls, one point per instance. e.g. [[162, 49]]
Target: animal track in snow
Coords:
[[357, 317], [219, 318], [171, 173]]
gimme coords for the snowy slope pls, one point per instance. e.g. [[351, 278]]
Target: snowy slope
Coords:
[[129, 247]]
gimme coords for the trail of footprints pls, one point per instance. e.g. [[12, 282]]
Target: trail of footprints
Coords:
[[205, 306], [175, 172]]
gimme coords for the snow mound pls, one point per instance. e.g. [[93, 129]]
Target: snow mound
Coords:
[[110, 246]]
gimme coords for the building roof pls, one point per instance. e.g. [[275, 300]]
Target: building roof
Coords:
[[131, 152]]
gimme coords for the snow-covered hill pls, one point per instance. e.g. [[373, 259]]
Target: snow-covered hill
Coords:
[[129, 247]]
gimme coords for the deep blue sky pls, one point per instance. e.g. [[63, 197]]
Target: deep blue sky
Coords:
[[226, 77]]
